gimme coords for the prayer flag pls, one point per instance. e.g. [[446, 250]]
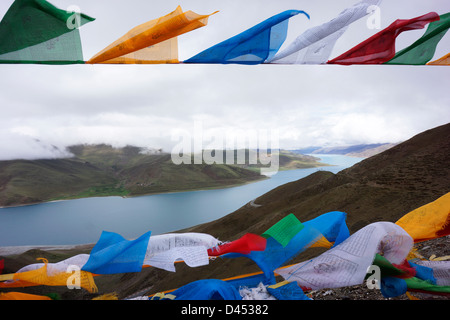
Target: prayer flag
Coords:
[[44, 276], [286, 290], [429, 221], [444, 61], [114, 254], [207, 289], [245, 245], [381, 47], [284, 230], [35, 31], [152, 42]]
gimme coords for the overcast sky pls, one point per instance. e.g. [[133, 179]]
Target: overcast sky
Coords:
[[143, 104]]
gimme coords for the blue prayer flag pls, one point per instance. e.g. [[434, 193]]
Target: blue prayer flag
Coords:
[[207, 289], [332, 225], [252, 46], [114, 254]]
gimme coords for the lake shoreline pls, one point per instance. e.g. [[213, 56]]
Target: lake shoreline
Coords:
[[17, 250], [263, 177], [139, 195]]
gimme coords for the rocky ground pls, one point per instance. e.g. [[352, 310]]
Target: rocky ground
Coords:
[[427, 249]]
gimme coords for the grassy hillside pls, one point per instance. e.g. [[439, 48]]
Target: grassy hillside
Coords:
[[23, 182], [101, 170]]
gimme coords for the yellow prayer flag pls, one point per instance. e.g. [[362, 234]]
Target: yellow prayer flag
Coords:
[[429, 221], [41, 277]]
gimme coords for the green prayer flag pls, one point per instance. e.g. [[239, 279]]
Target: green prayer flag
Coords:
[[284, 230], [386, 267], [416, 284], [423, 50], [35, 31]]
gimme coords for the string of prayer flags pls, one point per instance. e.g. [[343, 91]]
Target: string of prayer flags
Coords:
[[289, 237], [429, 221], [35, 31], [253, 46], [380, 48], [423, 50], [394, 282], [275, 254], [315, 45], [152, 42], [114, 254]]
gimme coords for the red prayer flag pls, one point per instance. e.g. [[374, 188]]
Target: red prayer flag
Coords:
[[407, 269], [246, 244], [381, 47], [2, 265]]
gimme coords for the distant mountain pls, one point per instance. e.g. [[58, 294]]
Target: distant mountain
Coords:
[[360, 150], [101, 170]]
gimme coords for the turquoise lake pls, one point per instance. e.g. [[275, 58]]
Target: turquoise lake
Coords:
[[82, 221]]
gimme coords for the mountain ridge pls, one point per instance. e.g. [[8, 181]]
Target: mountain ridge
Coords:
[[359, 150]]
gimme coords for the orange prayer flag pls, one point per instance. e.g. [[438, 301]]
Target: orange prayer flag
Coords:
[[149, 34], [444, 61], [161, 53]]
